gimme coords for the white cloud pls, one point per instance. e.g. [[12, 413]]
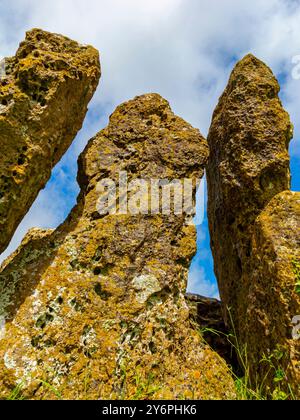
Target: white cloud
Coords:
[[176, 47], [198, 282], [182, 49]]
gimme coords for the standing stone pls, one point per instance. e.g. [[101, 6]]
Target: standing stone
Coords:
[[44, 93], [248, 166], [96, 308], [255, 227], [271, 296]]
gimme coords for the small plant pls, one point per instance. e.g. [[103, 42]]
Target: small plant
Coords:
[[136, 387], [16, 394], [52, 389], [145, 389], [274, 363], [246, 387]]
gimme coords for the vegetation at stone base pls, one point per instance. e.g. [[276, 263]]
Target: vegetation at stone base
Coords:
[[296, 267], [246, 388], [16, 394], [144, 388]]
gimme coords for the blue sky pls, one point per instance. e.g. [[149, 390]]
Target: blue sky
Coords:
[[182, 49]]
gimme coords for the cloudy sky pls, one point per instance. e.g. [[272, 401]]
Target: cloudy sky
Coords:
[[182, 49]]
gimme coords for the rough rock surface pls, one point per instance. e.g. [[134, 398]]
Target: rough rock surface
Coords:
[[96, 308], [255, 224], [208, 316], [43, 100], [248, 166], [271, 294]]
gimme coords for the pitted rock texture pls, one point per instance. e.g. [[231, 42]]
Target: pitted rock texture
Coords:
[[271, 299], [248, 166], [255, 225], [44, 94], [98, 308]]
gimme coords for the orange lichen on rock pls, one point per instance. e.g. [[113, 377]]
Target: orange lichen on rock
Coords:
[[248, 166], [271, 298], [44, 93], [255, 223], [98, 308]]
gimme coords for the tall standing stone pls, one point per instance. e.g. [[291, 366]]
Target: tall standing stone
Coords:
[[271, 296], [44, 93], [248, 166], [255, 225], [97, 308]]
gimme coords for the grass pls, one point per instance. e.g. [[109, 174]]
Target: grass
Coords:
[[246, 388], [17, 393], [145, 389], [52, 389]]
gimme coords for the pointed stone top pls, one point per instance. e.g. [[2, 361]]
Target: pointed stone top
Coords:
[[44, 89], [253, 74]]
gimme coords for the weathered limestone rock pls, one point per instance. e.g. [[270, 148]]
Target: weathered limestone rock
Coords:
[[44, 95], [248, 166], [271, 295], [96, 308], [255, 224]]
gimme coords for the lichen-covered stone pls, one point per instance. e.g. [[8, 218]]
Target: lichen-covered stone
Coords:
[[255, 225], [271, 298], [98, 309], [248, 166], [44, 94]]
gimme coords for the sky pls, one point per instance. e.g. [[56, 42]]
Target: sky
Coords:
[[181, 49]]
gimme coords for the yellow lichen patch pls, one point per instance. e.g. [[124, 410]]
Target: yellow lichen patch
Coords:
[[43, 101], [271, 274], [105, 316], [254, 231]]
